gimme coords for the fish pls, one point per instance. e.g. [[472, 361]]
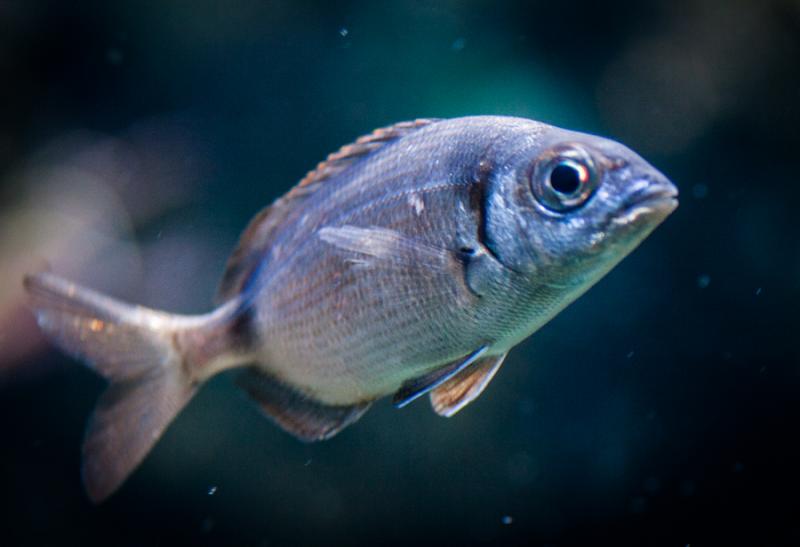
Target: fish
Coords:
[[408, 263]]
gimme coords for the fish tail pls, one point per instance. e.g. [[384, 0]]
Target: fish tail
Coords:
[[148, 357]]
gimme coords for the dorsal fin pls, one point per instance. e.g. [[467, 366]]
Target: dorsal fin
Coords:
[[259, 234], [347, 155]]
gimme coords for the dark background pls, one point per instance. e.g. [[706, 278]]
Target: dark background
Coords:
[[138, 138]]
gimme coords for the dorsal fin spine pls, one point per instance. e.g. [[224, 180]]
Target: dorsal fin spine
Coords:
[[337, 161]]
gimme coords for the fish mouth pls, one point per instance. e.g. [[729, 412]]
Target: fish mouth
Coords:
[[654, 200]]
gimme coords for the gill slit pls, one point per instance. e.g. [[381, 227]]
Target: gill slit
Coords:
[[478, 203]]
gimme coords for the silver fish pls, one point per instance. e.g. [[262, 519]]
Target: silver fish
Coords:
[[409, 262]]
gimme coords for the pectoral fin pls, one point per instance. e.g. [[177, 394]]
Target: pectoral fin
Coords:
[[382, 246], [303, 417], [417, 387], [467, 272], [464, 387]]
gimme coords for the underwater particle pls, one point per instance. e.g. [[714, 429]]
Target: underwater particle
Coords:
[[758, 291], [458, 44], [307, 462], [207, 525], [343, 32], [699, 191], [738, 467], [507, 519], [630, 354], [703, 281], [212, 490]]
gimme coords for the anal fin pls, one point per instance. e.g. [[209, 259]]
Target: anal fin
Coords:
[[417, 387], [303, 417], [463, 388]]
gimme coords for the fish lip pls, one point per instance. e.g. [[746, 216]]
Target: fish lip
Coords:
[[657, 195], [650, 203]]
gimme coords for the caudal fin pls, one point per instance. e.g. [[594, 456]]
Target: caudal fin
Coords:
[[135, 348]]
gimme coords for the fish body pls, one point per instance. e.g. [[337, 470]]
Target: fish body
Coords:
[[409, 262]]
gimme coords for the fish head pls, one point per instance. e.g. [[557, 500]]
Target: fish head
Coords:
[[565, 207]]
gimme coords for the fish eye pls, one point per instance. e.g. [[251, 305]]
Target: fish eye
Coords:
[[564, 178], [568, 176]]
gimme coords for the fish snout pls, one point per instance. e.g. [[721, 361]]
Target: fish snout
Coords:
[[653, 192]]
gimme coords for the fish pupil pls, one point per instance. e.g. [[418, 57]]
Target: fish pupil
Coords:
[[565, 179]]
